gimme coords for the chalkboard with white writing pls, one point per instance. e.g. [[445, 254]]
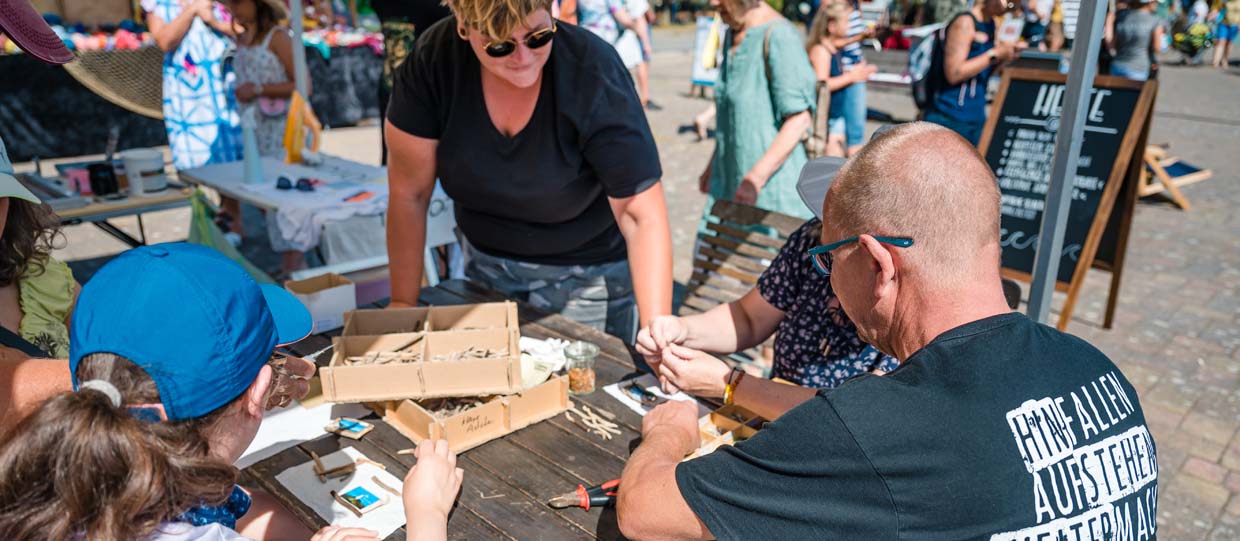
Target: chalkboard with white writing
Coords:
[[1019, 144]]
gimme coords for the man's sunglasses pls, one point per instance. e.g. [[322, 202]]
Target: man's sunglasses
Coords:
[[822, 254], [533, 40]]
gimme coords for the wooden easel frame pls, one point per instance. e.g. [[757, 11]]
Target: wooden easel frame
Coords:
[[1126, 170], [1161, 181]]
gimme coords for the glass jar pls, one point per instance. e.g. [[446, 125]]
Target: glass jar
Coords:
[[581, 356]]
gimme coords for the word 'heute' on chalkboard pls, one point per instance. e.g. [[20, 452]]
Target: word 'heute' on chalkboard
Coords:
[[1020, 152]]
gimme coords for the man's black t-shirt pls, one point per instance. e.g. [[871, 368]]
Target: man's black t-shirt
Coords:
[[540, 196], [1000, 429]]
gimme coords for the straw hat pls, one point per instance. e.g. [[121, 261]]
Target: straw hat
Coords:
[[278, 7]]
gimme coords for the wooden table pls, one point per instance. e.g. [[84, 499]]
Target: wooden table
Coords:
[[507, 480]]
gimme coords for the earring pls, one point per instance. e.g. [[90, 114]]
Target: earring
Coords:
[[460, 31]]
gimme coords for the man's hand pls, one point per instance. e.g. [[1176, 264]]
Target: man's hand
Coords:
[[433, 483], [695, 372], [676, 419], [246, 92]]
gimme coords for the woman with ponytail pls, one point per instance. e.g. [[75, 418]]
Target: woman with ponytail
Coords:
[[170, 351]]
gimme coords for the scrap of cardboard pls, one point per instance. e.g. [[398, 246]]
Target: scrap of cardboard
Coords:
[[301, 481]]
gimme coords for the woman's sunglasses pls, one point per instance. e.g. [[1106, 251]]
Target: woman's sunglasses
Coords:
[[533, 40]]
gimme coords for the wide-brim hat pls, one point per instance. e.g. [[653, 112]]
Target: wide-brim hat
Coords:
[[277, 6], [23, 24]]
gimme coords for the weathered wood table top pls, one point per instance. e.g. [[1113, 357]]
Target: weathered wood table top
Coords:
[[507, 480]]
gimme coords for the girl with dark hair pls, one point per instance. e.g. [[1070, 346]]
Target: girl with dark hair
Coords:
[[36, 290], [165, 399]]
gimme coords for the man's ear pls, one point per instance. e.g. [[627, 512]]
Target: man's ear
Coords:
[[257, 393], [882, 264]]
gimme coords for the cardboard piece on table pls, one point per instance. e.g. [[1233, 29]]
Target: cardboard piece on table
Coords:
[[497, 417], [301, 481], [327, 297], [349, 427], [650, 383]]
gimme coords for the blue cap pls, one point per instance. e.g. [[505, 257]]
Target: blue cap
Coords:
[[191, 318]]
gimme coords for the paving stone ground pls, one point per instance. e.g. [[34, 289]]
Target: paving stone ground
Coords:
[[1177, 331]]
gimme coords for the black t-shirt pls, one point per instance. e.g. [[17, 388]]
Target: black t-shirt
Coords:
[[1000, 429], [421, 13], [540, 196], [401, 21]]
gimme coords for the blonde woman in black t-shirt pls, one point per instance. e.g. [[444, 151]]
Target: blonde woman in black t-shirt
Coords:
[[535, 131]]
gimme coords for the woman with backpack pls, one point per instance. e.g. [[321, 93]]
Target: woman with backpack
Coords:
[[969, 57], [765, 100]]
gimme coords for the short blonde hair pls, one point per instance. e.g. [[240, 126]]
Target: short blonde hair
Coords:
[[496, 19], [922, 181]]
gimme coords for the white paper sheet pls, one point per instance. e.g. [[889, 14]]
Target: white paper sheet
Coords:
[[288, 426], [302, 482], [616, 390]]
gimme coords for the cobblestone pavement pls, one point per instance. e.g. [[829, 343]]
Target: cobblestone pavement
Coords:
[[1177, 331]]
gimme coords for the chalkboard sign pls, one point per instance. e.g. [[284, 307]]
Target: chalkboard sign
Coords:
[[1019, 144]]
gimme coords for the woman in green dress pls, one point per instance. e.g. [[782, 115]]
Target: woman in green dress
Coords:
[[765, 103]]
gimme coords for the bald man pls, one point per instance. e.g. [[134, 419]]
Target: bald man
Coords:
[[993, 427]]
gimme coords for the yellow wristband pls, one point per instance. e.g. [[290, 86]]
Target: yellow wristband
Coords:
[[727, 394]]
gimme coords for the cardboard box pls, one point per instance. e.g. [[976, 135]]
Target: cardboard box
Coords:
[[725, 426], [497, 417], [327, 297], [435, 341]]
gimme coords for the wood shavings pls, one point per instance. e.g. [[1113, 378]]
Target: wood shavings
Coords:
[[445, 408], [482, 496], [472, 352], [398, 354], [591, 421]]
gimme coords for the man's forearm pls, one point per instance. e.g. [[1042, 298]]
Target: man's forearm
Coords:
[[769, 399], [645, 486]]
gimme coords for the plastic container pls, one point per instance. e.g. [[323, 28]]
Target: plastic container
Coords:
[[581, 377], [253, 163], [144, 167]]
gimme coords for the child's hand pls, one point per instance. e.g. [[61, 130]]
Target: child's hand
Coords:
[[246, 92], [432, 484]]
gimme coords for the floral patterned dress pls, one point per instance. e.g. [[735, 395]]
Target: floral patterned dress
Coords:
[[816, 345]]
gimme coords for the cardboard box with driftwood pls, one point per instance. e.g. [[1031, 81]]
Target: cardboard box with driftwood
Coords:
[[467, 423], [417, 353]]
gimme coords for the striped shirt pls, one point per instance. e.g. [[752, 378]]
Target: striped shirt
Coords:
[[852, 52]]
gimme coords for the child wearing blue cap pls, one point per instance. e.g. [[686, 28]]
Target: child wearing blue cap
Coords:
[[170, 351]]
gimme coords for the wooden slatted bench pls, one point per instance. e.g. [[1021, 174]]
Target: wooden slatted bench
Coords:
[[739, 244]]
